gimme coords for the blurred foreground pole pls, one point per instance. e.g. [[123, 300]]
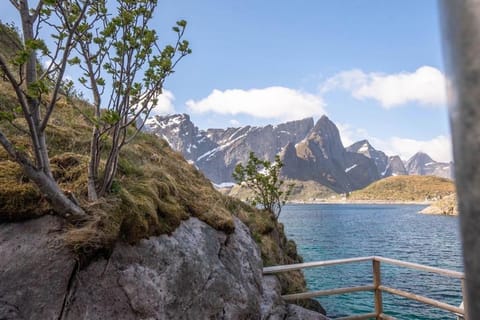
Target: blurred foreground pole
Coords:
[[460, 21]]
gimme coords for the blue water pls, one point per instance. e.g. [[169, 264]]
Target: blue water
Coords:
[[334, 231]]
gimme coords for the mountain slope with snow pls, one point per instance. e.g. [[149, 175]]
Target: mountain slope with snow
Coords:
[[310, 151]]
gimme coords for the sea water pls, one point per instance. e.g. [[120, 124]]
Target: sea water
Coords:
[[335, 231]]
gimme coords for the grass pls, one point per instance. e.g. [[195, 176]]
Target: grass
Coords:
[[406, 188]]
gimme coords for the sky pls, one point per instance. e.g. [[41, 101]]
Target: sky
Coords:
[[373, 67]]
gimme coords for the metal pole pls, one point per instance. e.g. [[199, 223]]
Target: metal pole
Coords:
[[460, 21]]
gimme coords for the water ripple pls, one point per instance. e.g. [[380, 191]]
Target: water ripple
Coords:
[[335, 231]]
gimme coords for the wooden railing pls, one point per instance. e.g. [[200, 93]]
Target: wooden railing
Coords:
[[376, 286]]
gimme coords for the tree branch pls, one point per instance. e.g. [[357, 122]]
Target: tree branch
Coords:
[[62, 68], [37, 10], [15, 4]]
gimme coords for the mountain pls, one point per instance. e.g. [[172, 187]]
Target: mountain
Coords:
[[421, 164], [379, 157], [395, 167], [321, 157], [310, 151], [216, 152]]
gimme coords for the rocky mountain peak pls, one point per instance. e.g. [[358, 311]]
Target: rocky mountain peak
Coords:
[[380, 158], [422, 164], [421, 158], [310, 151], [395, 167]]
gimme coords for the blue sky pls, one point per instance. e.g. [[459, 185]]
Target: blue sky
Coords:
[[374, 67], [302, 45]]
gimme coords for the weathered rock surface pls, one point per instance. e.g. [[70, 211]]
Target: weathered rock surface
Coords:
[[34, 269], [196, 273]]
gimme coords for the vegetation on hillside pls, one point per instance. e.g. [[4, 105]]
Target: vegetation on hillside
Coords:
[[121, 63], [406, 188]]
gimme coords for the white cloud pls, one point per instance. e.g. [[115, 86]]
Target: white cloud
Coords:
[[164, 104], [234, 122], [425, 86], [439, 148], [272, 102], [350, 135]]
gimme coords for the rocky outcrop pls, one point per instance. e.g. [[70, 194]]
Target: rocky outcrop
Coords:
[[196, 273], [421, 164], [446, 206]]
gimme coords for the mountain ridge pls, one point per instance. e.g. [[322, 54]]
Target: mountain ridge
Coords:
[[310, 151]]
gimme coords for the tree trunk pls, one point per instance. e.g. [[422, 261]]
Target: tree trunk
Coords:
[[93, 166], [61, 204]]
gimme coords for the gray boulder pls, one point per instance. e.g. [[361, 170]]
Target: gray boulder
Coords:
[[195, 273]]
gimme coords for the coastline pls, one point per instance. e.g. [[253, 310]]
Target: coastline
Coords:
[[341, 201]]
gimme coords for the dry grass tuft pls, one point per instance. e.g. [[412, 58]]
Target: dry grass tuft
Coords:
[[19, 198]]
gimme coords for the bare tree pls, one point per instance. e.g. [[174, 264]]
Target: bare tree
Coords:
[[124, 67], [38, 91]]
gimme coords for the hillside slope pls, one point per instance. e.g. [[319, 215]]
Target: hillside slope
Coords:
[[406, 188]]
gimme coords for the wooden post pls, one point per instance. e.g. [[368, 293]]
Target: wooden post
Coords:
[[377, 282]]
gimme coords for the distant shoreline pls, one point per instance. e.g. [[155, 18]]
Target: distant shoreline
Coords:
[[339, 201]]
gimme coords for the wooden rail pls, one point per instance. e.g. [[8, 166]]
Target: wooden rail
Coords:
[[377, 286]]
